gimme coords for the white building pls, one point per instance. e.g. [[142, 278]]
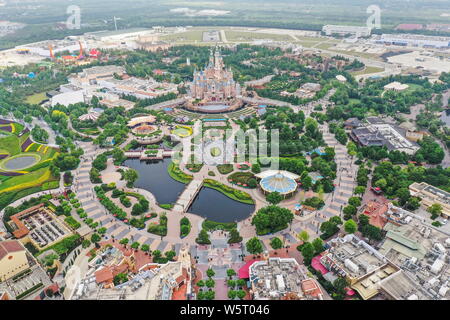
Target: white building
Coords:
[[43, 48], [344, 30], [119, 35], [396, 86], [414, 40], [68, 98]]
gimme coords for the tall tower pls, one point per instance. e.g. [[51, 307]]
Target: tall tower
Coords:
[[211, 58], [218, 62]]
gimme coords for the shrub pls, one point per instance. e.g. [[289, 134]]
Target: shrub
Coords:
[[314, 202]]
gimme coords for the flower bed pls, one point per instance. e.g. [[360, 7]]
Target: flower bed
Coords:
[[243, 179], [234, 194], [178, 175], [225, 168], [161, 228]]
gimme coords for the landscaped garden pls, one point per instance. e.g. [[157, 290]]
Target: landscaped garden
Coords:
[[160, 228], [178, 175], [225, 168], [234, 194], [24, 164], [243, 179], [185, 227], [182, 131]]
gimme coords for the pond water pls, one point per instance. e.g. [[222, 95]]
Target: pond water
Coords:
[[217, 207], [20, 163], [209, 203], [153, 177]]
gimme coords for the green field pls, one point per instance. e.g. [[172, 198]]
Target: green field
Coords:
[[36, 98], [249, 36], [194, 35], [367, 70]]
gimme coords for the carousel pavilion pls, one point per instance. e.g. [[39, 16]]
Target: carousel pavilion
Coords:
[[283, 182]]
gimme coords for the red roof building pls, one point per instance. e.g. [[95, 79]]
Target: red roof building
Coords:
[[377, 213], [311, 288], [409, 26], [10, 246], [94, 53], [244, 271], [22, 230], [318, 266]]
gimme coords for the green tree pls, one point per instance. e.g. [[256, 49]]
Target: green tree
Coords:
[[276, 243], [435, 209], [381, 183], [210, 283], [274, 197], [200, 283], [354, 201], [145, 247], [120, 278], [350, 226], [203, 237], [170, 255], [318, 245], [360, 190], [130, 177], [135, 245], [210, 273], [349, 211], [156, 254], [307, 251], [118, 156], [403, 195], [271, 219], [303, 236], [232, 294], [307, 182], [235, 237], [241, 294], [124, 241], [95, 238], [231, 273], [256, 168], [210, 295], [413, 203], [85, 244], [254, 246]]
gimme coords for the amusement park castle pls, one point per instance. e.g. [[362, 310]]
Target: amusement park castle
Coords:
[[215, 83]]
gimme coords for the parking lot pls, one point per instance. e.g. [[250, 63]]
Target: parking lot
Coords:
[[45, 227]]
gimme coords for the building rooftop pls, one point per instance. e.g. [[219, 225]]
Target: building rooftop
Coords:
[[9, 246], [275, 278], [400, 286], [352, 257], [278, 183], [379, 133], [376, 213]]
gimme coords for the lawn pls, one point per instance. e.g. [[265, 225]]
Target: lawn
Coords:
[[36, 98], [182, 131], [232, 193], [246, 36], [367, 70], [30, 180], [195, 35]]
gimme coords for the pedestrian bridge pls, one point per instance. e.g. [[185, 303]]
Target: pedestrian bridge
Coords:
[[187, 197]]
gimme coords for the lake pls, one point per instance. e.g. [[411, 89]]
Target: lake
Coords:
[[217, 207]]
